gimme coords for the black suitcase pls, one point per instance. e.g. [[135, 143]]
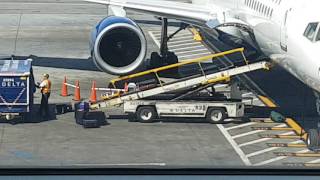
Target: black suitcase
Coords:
[[79, 116], [91, 123], [63, 108], [98, 115]]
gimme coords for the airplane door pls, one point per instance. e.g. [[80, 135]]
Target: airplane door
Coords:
[[284, 35]]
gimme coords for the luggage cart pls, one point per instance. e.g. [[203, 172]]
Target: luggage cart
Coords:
[[16, 88]]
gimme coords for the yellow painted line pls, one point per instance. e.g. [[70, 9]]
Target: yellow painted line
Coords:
[[286, 145], [297, 154], [196, 34], [280, 136], [290, 122], [267, 101], [298, 129], [272, 128]]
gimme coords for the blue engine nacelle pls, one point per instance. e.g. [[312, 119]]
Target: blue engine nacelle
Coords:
[[118, 45]]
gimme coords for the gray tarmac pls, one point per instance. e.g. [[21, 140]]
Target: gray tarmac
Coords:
[[57, 33]]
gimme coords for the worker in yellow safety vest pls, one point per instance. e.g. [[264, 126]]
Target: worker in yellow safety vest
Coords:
[[45, 87]]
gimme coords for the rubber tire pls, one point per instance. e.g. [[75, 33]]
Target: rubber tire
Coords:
[[313, 139], [141, 110], [220, 110]]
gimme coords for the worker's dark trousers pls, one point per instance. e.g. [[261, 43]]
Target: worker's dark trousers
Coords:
[[44, 106]]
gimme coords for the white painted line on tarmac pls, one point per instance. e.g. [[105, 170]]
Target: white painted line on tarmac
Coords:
[[184, 44], [191, 51], [277, 159], [246, 134], [261, 152], [177, 38], [154, 39], [269, 149], [158, 33], [197, 54], [254, 132], [189, 47], [180, 41], [262, 140], [240, 126], [243, 157]]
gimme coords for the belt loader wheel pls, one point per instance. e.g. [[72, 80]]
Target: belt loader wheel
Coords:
[[216, 115], [313, 139], [146, 114]]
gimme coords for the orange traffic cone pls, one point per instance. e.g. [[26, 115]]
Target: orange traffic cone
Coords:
[[77, 92], [64, 88], [126, 88], [93, 95]]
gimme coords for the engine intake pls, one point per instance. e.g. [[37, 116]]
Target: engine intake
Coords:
[[118, 45]]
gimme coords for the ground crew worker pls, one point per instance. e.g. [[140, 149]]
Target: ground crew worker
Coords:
[[45, 87]]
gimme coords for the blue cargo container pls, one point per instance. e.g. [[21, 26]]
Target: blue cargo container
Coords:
[[16, 88]]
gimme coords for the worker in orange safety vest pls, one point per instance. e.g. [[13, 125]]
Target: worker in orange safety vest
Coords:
[[45, 87]]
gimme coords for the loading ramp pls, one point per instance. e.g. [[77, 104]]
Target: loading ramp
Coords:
[[204, 78]]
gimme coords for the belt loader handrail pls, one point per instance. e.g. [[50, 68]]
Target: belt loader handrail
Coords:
[[186, 62]]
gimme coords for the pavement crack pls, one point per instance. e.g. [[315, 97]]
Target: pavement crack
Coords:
[[17, 34]]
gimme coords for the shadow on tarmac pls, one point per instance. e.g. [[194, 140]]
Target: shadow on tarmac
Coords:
[[34, 116], [65, 63], [293, 98]]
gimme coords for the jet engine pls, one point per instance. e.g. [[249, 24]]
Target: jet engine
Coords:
[[118, 45]]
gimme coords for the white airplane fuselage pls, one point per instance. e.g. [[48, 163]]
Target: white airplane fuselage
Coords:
[[279, 27]]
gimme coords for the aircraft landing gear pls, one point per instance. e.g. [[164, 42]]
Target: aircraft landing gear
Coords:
[[313, 137], [165, 57]]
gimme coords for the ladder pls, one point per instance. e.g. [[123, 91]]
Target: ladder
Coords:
[[180, 84]]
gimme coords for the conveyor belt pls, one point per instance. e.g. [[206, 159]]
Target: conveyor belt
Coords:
[[204, 79]]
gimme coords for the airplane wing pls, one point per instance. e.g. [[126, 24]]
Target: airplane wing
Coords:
[[198, 15]]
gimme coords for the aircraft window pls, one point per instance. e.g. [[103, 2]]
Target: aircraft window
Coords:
[[260, 8], [311, 31]]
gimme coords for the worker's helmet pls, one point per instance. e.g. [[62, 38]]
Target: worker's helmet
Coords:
[[46, 75]]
